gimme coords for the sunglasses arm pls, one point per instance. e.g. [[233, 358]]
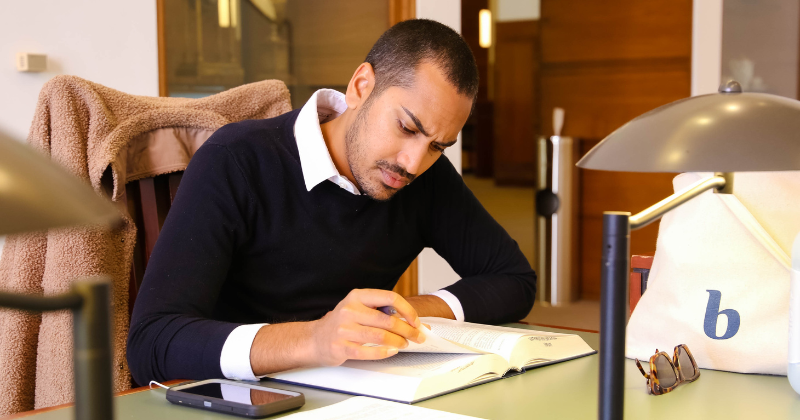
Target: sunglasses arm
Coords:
[[641, 369]]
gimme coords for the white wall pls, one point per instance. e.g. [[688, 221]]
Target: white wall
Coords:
[[760, 45], [706, 46], [112, 42], [434, 271]]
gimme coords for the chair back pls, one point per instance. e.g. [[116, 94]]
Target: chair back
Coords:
[[149, 200]]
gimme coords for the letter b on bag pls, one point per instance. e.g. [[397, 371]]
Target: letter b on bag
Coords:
[[713, 313]]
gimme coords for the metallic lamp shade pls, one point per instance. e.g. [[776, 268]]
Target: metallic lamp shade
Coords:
[[37, 194], [729, 131]]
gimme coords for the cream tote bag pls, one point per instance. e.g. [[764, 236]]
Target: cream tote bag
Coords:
[[720, 277]]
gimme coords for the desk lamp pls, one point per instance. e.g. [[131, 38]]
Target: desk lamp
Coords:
[[725, 132], [35, 194]]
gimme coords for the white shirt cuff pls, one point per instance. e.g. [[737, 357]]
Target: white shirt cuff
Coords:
[[235, 357], [239, 394], [452, 301]]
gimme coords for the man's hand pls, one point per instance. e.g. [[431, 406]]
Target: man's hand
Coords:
[[339, 335], [355, 321]]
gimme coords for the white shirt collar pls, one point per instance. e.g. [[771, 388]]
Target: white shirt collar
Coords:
[[315, 159]]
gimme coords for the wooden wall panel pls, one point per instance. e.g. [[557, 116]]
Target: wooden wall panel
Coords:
[[515, 102], [580, 30], [606, 63], [600, 97]]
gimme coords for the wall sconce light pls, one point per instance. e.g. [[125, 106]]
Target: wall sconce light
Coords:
[[224, 13], [485, 28], [228, 13]]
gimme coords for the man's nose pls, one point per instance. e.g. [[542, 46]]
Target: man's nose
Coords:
[[411, 157]]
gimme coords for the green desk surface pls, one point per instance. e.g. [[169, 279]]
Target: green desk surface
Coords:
[[565, 390]]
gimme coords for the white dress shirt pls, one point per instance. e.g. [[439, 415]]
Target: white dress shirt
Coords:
[[315, 160]]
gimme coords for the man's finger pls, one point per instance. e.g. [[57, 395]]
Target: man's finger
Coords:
[[375, 298], [358, 352], [377, 319], [371, 335]]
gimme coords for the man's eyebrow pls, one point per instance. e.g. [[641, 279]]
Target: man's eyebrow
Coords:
[[447, 144], [416, 121]]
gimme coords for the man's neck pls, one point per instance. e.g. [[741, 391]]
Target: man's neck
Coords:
[[334, 133]]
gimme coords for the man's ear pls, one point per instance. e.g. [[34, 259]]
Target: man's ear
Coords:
[[360, 86]]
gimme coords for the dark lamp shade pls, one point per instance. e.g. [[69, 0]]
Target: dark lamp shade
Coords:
[[720, 132], [37, 194]]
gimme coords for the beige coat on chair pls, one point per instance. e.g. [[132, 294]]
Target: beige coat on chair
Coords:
[[107, 138]]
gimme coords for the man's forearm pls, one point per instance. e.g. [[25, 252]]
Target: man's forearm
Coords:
[[279, 347], [429, 305]]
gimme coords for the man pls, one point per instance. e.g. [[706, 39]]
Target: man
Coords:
[[288, 233]]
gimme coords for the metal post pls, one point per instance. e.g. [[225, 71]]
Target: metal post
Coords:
[[613, 313], [92, 335], [542, 239]]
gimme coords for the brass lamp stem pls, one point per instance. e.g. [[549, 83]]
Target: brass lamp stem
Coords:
[[721, 182]]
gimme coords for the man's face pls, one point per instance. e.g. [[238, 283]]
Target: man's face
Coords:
[[400, 133]]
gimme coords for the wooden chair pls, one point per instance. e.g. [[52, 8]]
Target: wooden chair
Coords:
[[149, 200], [640, 273]]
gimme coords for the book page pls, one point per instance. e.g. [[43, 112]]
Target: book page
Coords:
[[436, 344], [537, 350], [365, 408], [498, 340], [414, 364]]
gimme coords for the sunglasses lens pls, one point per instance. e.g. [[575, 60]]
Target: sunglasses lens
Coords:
[[666, 376], [687, 367]]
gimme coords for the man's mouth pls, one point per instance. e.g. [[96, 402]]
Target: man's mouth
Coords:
[[393, 180]]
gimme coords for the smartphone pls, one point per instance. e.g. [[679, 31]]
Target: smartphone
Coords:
[[224, 396]]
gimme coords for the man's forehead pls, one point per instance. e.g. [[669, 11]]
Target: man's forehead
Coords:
[[434, 117], [438, 107]]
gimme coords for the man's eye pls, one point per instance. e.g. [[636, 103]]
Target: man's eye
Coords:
[[406, 129], [437, 148]]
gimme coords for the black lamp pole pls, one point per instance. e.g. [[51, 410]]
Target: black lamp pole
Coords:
[[89, 302], [613, 313]]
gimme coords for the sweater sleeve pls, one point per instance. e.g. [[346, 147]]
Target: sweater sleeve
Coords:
[[497, 283], [172, 334]]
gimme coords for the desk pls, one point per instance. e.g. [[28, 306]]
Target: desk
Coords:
[[565, 390]]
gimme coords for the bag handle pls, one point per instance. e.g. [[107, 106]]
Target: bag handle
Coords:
[[750, 222]]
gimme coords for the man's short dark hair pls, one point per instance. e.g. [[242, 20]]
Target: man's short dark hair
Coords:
[[400, 50]]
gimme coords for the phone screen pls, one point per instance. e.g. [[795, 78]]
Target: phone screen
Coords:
[[239, 394]]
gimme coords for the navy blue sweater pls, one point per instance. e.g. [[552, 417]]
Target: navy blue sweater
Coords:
[[245, 242]]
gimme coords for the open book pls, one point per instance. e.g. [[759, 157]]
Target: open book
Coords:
[[455, 355]]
